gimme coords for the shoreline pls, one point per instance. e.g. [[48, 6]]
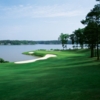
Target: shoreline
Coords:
[[34, 60]]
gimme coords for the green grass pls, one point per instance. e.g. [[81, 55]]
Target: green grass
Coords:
[[72, 75]]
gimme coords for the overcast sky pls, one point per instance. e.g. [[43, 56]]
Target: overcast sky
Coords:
[[41, 19]]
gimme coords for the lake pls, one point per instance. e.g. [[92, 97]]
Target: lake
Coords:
[[13, 53]]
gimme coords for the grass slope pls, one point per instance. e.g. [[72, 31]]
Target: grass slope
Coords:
[[70, 76]]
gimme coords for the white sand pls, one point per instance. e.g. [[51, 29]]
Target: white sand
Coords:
[[31, 52], [42, 58]]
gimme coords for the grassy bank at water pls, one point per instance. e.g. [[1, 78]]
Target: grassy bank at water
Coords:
[[72, 75]]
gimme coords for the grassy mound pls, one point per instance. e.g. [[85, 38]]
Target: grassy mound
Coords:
[[72, 75]]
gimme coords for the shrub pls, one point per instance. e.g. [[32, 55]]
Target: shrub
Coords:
[[3, 61]]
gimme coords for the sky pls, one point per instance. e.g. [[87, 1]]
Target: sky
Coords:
[[41, 19]]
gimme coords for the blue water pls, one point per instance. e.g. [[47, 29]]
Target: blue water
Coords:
[[14, 52]]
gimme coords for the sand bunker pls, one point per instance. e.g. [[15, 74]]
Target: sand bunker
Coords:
[[31, 52], [42, 58]]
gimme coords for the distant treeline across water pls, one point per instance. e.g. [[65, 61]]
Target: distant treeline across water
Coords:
[[28, 42]]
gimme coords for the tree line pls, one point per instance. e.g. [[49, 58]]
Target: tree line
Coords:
[[15, 42], [27, 42], [89, 35]]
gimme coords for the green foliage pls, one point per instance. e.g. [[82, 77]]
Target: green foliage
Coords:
[[64, 39], [98, 0], [3, 61], [72, 38], [79, 37], [92, 30]]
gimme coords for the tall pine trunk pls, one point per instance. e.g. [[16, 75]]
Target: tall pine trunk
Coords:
[[98, 51], [95, 52], [97, 46], [92, 51]]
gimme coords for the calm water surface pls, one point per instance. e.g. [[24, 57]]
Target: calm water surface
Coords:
[[14, 52]]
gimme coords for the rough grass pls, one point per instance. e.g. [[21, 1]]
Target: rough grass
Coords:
[[72, 75]]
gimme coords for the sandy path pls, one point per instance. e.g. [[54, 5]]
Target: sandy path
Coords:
[[42, 58]]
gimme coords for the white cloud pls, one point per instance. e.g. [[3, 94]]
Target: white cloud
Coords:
[[42, 11]]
